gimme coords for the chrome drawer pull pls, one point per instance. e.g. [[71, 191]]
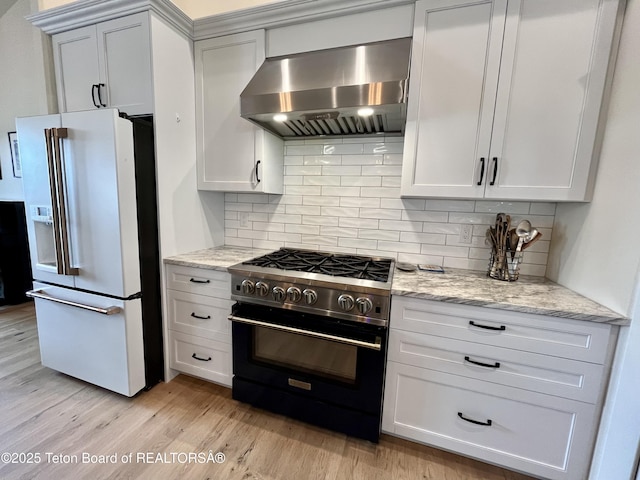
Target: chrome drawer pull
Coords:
[[325, 336], [484, 424], [193, 314], [43, 296], [201, 359], [487, 365], [486, 327]]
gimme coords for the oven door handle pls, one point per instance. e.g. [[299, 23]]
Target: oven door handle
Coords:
[[325, 336]]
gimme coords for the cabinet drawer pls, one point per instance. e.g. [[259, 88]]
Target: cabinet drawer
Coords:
[[539, 373], [201, 357], [200, 281], [574, 339], [530, 432], [199, 315]]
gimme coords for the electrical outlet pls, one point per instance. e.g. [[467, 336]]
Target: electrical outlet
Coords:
[[244, 219], [466, 231]]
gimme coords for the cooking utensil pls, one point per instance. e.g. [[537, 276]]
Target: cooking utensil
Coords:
[[535, 236], [523, 230]]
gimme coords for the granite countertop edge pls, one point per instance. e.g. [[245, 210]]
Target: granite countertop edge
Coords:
[[464, 287]]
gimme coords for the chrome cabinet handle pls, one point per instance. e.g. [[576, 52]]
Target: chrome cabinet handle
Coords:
[[325, 336], [44, 296]]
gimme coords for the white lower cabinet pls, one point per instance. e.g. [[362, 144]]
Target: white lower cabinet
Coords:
[[496, 394], [198, 304]]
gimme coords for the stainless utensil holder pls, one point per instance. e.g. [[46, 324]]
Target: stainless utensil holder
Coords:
[[505, 265]]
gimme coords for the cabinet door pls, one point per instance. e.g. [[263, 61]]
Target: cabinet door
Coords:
[[229, 147], [125, 64], [75, 56], [554, 65], [454, 73]]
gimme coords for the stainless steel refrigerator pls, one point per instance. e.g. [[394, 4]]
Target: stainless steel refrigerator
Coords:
[[90, 203]]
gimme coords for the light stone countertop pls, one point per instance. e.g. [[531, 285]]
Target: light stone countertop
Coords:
[[528, 294], [217, 258]]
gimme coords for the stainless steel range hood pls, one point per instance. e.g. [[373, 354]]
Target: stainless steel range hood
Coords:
[[324, 92]]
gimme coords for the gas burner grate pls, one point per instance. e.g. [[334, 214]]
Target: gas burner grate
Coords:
[[337, 265]]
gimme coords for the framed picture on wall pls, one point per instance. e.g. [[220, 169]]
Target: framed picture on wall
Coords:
[[15, 156]]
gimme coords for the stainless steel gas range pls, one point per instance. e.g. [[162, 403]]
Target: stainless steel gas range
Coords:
[[310, 336]]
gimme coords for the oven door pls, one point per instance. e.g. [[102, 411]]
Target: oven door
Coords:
[[324, 358]]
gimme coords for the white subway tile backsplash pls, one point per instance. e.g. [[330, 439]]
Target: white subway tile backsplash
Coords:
[[322, 180], [359, 223], [350, 212], [402, 203], [303, 149], [450, 205], [302, 170], [431, 238], [380, 213], [360, 202], [389, 181], [303, 209], [486, 206], [425, 216], [388, 170], [343, 195], [342, 170], [306, 229], [387, 235], [341, 191], [358, 243], [541, 208], [400, 225], [338, 231], [362, 160], [326, 201], [344, 149], [357, 181], [322, 160], [385, 147], [386, 192]]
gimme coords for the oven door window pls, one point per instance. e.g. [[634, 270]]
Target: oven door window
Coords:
[[325, 358]]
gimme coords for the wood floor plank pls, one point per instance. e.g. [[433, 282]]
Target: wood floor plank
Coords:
[[47, 412]]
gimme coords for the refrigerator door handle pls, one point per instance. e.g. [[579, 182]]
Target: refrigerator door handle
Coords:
[[67, 269], [44, 296], [48, 137]]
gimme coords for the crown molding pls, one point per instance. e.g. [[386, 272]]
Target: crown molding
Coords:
[[284, 13], [89, 12]]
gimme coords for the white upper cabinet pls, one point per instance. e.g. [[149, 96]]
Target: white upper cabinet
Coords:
[[505, 98], [232, 154], [105, 65]]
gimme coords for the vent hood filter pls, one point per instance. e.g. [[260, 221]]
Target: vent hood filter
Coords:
[[324, 92]]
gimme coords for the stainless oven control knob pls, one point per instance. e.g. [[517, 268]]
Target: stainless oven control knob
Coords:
[[294, 294], [363, 305], [247, 287], [262, 289], [278, 294], [310, 296], [345, 302]]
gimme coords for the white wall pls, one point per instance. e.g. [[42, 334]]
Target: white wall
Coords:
[[594, 252], [24, 64], [189, 220]]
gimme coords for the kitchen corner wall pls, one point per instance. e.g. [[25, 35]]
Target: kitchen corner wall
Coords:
[[343, 195]]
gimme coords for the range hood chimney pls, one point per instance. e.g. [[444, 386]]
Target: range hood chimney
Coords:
[[352, 90]]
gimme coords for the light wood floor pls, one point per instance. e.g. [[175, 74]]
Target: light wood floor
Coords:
[[42, 411]]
